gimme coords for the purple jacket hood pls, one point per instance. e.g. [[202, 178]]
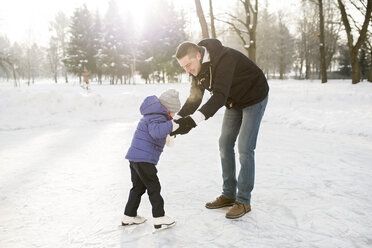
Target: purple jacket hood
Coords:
[[152, 105], [151, 132]]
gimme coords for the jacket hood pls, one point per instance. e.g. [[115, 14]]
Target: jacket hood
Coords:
[[152, 105], [211, 44]]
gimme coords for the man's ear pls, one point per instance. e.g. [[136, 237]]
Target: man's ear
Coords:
[[198, 56]]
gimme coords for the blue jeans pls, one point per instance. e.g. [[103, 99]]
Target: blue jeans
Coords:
[[243, 124]]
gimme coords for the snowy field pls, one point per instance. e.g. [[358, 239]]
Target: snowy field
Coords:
[[64, 181]]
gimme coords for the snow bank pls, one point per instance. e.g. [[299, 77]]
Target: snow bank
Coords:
[[335, 107], [37, 106]]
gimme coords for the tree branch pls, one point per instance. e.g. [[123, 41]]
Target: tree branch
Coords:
[[363, 32], [237, 30], [236, 19]]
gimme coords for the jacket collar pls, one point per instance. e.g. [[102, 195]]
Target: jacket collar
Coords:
[[205, 55]]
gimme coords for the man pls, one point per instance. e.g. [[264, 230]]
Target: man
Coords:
[[236, 82]]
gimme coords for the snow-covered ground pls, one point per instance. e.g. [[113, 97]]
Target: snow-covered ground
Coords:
[[64, 180]]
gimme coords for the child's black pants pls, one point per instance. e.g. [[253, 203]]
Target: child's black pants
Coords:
[[144, 178]]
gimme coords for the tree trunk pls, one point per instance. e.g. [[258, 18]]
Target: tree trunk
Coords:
[[251, 26], [370, 70], [355, 71], [307, 65], [252, 47], [66, 78], [213, 28], [28, 67], [14, 76], [354, 49], [252, 32], [323, 67], [202, 21]]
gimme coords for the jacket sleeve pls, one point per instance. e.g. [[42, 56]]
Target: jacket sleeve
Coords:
[[222, 82], [159, 130], [193, 101]]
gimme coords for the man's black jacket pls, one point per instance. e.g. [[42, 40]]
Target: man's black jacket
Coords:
[[235, 81]]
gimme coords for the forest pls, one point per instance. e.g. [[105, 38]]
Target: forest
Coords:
[[328, 39]]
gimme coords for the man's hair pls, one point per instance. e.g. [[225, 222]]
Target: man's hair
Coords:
[[187, 48]]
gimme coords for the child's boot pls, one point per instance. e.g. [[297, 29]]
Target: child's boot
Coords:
[[128, 220], [163, 222]]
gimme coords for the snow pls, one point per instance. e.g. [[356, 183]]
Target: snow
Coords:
[[64, 181]]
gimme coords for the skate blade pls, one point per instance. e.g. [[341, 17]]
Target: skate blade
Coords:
[[133, 223], [163, 227]]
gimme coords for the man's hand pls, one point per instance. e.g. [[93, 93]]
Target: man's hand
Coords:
[[186, 124]]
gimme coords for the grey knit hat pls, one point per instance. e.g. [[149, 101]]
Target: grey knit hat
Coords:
[[170, 100]]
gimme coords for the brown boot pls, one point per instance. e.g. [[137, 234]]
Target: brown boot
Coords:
[[238, 210], [220, 202]]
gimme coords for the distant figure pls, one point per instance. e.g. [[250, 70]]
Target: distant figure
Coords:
[[239, 84], [148, 142], [86, 78]]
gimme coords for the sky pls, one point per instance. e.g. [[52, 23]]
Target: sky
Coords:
[[28, 21]]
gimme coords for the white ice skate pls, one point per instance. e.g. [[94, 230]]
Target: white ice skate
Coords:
[[128, 220], [163, 222]]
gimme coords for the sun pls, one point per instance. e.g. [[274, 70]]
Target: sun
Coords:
[[135, 8]]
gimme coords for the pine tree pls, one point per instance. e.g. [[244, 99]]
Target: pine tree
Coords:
[[58, 42], [5, 60], [363, 61], [80, 48], [163, 32], [97, 41], [53, 58], [284, 47], [111, 55], [266, 31], [36, 60], [344, 61]]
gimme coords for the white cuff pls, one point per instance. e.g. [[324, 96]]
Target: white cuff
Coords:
[[198, 117], [169, 140], [175, 126], [176, 117]]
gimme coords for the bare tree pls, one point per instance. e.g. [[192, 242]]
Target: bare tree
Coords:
[[246, 26], [59, 27], [326, 29], [369, 45], [332, 30], [370, 68], [7, 64], [323, 67], [267, 31], [354, 49], [284, 47], [53, 58], [213, 28], [202, 21], [307, 45]]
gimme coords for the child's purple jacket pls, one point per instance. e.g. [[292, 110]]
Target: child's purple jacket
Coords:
[[149, 138]]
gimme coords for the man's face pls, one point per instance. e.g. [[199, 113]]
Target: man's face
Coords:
[[191, 64]]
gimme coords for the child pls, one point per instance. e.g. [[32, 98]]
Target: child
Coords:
[[144, 152]]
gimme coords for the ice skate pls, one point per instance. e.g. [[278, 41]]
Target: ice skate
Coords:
[[163, 222], [128, 220]]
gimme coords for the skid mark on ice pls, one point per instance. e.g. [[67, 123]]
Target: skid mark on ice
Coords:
[[69, 183], [313, 187]]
